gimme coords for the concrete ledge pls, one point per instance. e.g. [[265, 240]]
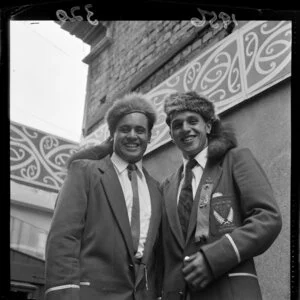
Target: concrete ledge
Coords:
[[31, 197]]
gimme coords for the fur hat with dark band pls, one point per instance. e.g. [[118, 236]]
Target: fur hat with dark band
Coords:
[[190, 101], [130, 103]]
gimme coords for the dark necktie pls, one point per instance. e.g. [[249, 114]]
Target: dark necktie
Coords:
[[185, 202], [135, 211]]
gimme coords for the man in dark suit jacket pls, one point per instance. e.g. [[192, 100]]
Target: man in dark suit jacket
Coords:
[[93, 249], [219, 210]]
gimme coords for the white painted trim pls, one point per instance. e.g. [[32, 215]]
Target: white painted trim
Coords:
[[25, 181], [241, 274], [61, 287], [24, 195], [236, 250]]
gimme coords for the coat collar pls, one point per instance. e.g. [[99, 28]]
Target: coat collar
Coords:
[[201, 159], [170, 198], [113, 189], [121, 164]]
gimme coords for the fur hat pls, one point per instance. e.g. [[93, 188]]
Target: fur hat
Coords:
[[190, 101], [130, 103]]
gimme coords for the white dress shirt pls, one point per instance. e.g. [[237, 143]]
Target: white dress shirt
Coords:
[[144, 197], [201, 158]]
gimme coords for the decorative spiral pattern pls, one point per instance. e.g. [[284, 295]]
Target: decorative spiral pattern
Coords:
[[267, 53], [38, 159], [190, 75]]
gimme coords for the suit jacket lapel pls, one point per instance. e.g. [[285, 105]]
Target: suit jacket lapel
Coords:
[[211, 174], [154, 224], [155, 219], [170, 195], [115, 196]]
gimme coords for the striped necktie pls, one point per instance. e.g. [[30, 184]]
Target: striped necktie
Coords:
[[185, 202]]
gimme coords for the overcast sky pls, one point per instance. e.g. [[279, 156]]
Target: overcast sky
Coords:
[[47, 78]]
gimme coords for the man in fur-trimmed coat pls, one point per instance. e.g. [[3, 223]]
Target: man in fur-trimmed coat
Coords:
[[105, 228], [219, 210]]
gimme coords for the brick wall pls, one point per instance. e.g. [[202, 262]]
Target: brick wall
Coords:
[[142, 55]]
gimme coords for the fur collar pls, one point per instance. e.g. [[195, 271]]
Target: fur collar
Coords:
[[220, 143], [92, 153]]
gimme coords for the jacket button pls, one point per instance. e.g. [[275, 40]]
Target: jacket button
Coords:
[[131, 266], [180, 293]]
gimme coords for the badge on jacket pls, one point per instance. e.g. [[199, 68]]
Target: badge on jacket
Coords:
[[224, 214], [205, 194], [202, 227]]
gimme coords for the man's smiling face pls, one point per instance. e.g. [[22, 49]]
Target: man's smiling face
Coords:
[[189, 132], [131, 137]]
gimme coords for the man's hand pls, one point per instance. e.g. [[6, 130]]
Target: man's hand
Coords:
[[196, 271]]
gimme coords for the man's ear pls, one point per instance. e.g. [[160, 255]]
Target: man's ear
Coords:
[[170, 133], [208, 127], [110, 139]]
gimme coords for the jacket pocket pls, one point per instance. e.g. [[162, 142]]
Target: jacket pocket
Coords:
[[244, 286]]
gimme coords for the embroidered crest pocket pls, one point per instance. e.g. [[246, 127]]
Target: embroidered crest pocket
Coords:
[[224, 215]]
